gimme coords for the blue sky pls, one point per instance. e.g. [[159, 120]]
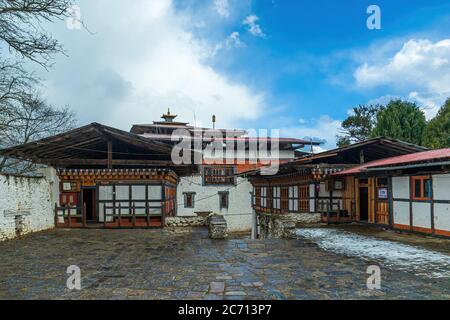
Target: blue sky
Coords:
[[298, 66]]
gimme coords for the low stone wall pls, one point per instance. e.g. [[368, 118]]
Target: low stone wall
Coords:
[[194, 221], [283, 226], [26, 204], [305, 218]]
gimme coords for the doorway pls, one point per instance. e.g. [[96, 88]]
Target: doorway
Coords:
[[90, 204], [364, 204]]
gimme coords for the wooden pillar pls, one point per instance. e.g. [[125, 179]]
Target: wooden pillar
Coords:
[[104, 215], [163, 204], [110, 155], [120, 214], [134, 214], [84, 215], [56, 214]]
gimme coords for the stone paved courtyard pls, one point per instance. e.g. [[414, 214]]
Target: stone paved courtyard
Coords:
[[185, 264]]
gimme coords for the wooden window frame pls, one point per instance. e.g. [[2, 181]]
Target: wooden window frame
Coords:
[[342, 188], [295, 198], [276, 198], [263, 197], [422, 180], [284, 201], [212, 176], [185, 196], [221, 194]]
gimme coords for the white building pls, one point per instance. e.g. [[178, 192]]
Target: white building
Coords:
[[215, 188]]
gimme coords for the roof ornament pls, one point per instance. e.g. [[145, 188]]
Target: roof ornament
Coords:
[[168, 117]]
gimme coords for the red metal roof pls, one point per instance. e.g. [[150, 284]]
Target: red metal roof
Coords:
[[438, 154]]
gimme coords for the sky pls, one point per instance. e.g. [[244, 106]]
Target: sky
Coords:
[[297, 66]]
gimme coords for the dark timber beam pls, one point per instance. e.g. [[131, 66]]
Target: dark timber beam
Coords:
[[104, 162]]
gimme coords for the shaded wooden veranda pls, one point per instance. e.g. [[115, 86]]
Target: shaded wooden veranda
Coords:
[[108, 177], [308, 184]]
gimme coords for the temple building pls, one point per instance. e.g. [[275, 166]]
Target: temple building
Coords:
[[110, 178], [381, 182]]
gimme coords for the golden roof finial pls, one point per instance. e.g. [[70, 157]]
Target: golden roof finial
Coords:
[[168, 117]]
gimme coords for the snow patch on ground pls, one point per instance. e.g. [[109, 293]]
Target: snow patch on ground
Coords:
[[387, 253]]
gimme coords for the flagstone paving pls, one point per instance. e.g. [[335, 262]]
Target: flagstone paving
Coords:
[[186, 264]]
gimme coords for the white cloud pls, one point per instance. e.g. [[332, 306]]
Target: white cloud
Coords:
[[138, 64], [323, 129], [420, 70], [232, 41], [222, 7], [383, 100], [253, 27]]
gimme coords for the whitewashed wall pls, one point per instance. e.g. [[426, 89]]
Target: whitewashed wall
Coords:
[[441, 191], [421, 211], [400, 190], [33, 197], [239, 212]]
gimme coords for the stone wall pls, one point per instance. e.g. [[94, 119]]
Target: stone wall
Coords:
[[283, 226], [305, 218], [193, 221], [27, 204]]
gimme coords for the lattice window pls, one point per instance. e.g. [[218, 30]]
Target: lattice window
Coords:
[[421, 188], [264, 195], [276, 198], [304, 198], [293, 199], [219, 175]]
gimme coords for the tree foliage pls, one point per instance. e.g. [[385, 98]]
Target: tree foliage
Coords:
[[401, 120], [437, 133], [358, 126]]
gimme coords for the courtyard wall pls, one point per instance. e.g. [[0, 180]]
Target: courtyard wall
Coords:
[[27, 203]]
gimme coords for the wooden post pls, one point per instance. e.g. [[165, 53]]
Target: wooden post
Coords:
[[56, 214], [104, 215], [134, 214], [147, 211], [110, 155], [120, 214], [163, 205], [84, 215]]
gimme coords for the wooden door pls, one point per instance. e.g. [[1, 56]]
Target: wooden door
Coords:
[[382, 201]]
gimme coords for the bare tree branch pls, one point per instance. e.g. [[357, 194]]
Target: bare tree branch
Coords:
[[21, 27], [31, 119]]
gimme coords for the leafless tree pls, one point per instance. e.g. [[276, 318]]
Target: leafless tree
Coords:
[[24, 115], [21, 27], [15, 84], [31, 119]]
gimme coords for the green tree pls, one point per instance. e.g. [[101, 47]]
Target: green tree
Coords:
[[437, 132], [358, 126], [401, 120]]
